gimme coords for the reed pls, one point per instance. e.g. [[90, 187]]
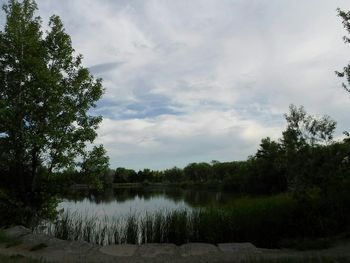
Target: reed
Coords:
[[264, 221]]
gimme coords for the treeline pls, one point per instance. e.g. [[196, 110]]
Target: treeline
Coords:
[[305, 157], [238, 176]]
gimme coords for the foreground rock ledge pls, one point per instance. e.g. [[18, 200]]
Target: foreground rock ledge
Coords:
[[190, 249], [56, 250]]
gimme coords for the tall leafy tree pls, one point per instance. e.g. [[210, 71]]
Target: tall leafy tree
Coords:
[[345, 73], [302, 141], [45, 97], [304, 129], [268, 171]]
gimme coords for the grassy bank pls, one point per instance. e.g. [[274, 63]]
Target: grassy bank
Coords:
[[266, 222], [182, 184]]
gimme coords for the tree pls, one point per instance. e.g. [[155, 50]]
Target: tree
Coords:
[[345, 15], [303, 129], [94, 167], [174, 174], [267, 174], [198, 172], [144, 175], [45, 98], [301, 143]]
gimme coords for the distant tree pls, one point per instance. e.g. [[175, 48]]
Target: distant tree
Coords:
[[266, 173], [144, 175], [118, 175], [45, 100], [198, 171], [123, 175], [174, 174], [301, 142], [345, 16], [157, 176], [236, 175], [223, 170], [94, 167], [303, 129]]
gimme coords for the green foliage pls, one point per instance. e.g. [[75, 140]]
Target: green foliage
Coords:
[[266, 174], [198, 171], [145, 175], [174, 174], [45, 98], [303, 129], [123, 175], [95, 166], [307, 145], [345, 16]]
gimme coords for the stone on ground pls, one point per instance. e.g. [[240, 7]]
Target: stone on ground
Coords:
[[238, 247], [155, 249], [124, 250], [17, 231], [197, 249]]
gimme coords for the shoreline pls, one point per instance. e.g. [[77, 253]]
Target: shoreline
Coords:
[[51, 249]]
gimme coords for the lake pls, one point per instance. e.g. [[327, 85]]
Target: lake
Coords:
[[135, 215], [120, 203]]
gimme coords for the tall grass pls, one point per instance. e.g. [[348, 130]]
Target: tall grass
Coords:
[[262, 221]]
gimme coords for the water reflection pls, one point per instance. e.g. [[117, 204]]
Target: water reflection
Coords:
[[123, 202]]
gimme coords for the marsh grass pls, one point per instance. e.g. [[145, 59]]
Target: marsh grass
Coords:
[[264, 221]]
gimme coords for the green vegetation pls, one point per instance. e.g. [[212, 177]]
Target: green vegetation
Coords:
[[345, 73], [45, 124]]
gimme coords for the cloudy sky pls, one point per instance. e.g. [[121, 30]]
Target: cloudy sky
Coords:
[[190, 81]]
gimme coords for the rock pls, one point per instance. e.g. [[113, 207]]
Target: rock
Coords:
[[17, 231], [156, 249], [197, 249], [124, 250], [238, 247]]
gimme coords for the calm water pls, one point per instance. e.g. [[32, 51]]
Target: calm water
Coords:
[[120, 203]]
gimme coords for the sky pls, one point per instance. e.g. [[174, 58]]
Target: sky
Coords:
[[192, 81]]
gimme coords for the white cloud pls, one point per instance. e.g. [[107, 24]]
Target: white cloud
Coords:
[[180, 139], [201, 80]]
